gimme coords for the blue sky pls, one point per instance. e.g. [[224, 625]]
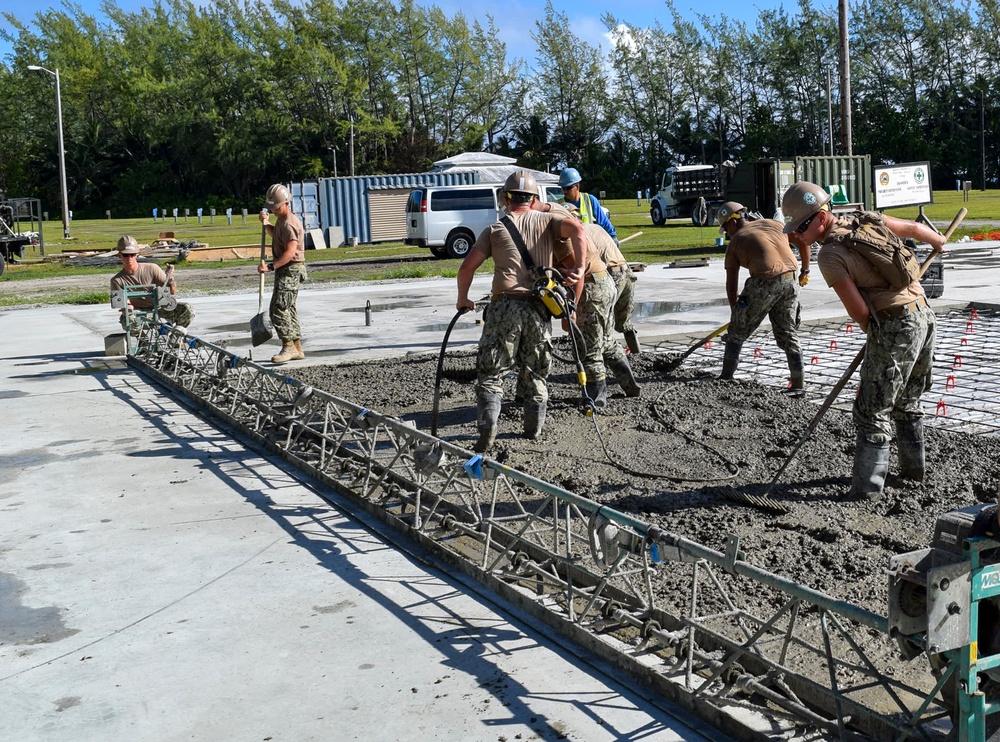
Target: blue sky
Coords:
[[516, 19]]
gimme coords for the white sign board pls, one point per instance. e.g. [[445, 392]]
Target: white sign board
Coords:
[[908, 184]]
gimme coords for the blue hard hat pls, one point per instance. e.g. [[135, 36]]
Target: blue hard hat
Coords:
[[569, 176]]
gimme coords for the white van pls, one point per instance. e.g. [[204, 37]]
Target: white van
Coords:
[[448, 219]]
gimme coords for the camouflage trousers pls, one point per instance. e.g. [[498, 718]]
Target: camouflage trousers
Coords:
[[593, 317], [516, 333], [899, 354], [778, 300], [624, 300], [180, 316], [284, 315]]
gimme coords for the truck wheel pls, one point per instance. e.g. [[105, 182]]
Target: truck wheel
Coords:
[[699, 213], [459, 243], [439, 251], [657, 215], [3, 264]]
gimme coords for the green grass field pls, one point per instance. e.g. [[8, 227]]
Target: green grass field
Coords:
[[677, 239]]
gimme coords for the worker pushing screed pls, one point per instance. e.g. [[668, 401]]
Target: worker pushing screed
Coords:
[[876, 275], [771, 291]]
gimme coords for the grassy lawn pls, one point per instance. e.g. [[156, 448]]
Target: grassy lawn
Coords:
[[678, 239]]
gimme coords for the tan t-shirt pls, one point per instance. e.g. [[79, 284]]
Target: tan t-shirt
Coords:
[[605, 245], [540, 232], [762, 248], [146, 274], [288, 230], [594, 262], [837, 261]]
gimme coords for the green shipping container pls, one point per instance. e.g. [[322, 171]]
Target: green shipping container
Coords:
[[852, 173]]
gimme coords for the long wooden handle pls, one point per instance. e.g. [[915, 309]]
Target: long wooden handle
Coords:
[[959, 217], [263, 255], [630, 237]]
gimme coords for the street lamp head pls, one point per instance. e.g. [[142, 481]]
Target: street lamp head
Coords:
[[36, 68]]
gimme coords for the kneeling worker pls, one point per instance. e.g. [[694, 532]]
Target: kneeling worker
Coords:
[[899, 347], [771, 290], [517, 328], [134, 273]]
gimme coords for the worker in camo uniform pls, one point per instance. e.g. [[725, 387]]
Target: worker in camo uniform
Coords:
[[134, 273], [288, 250], [900, 328], [516, 328], [595, 306], [771, 291], [595, 315]]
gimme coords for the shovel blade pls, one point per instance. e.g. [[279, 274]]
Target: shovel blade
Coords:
[[260, 329]]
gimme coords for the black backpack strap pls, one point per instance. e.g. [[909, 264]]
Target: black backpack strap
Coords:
[[519, 242]]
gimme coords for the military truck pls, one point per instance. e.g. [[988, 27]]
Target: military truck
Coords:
[[20, 226]]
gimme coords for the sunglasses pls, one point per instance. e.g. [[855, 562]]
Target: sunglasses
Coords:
[[805, 225]]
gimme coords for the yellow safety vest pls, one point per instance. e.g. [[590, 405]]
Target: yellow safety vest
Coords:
[[585, 215]]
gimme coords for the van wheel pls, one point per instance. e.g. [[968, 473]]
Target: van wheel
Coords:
[[459, 243], [439, 252], [657, 215]]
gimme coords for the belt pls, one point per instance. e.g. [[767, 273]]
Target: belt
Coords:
[[515, 295], [596, 276], [614, 271], [901, 310], [786, 274]]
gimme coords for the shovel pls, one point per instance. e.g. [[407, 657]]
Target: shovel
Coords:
[[261, 329], [673, 363]]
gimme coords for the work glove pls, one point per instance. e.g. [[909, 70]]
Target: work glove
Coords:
[[804, 277]]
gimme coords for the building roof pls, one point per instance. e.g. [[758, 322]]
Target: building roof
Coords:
[[491, 168]]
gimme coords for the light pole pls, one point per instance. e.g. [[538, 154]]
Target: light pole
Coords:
[[62, 148]]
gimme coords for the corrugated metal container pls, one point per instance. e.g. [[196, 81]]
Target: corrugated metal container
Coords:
[[305, 202], [853, 173], [371, 208], [760, 185]]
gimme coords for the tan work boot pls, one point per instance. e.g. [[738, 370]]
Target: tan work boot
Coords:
[[288, 352], [299, 355]]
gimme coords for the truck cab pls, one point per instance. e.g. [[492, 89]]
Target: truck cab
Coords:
[[681, 190]]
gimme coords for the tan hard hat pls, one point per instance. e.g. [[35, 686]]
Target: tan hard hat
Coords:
[[276, 196], [800, 202], [521, 181], [729, 210], [127, 245]]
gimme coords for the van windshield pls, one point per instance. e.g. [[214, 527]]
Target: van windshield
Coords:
[[470, 200]]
